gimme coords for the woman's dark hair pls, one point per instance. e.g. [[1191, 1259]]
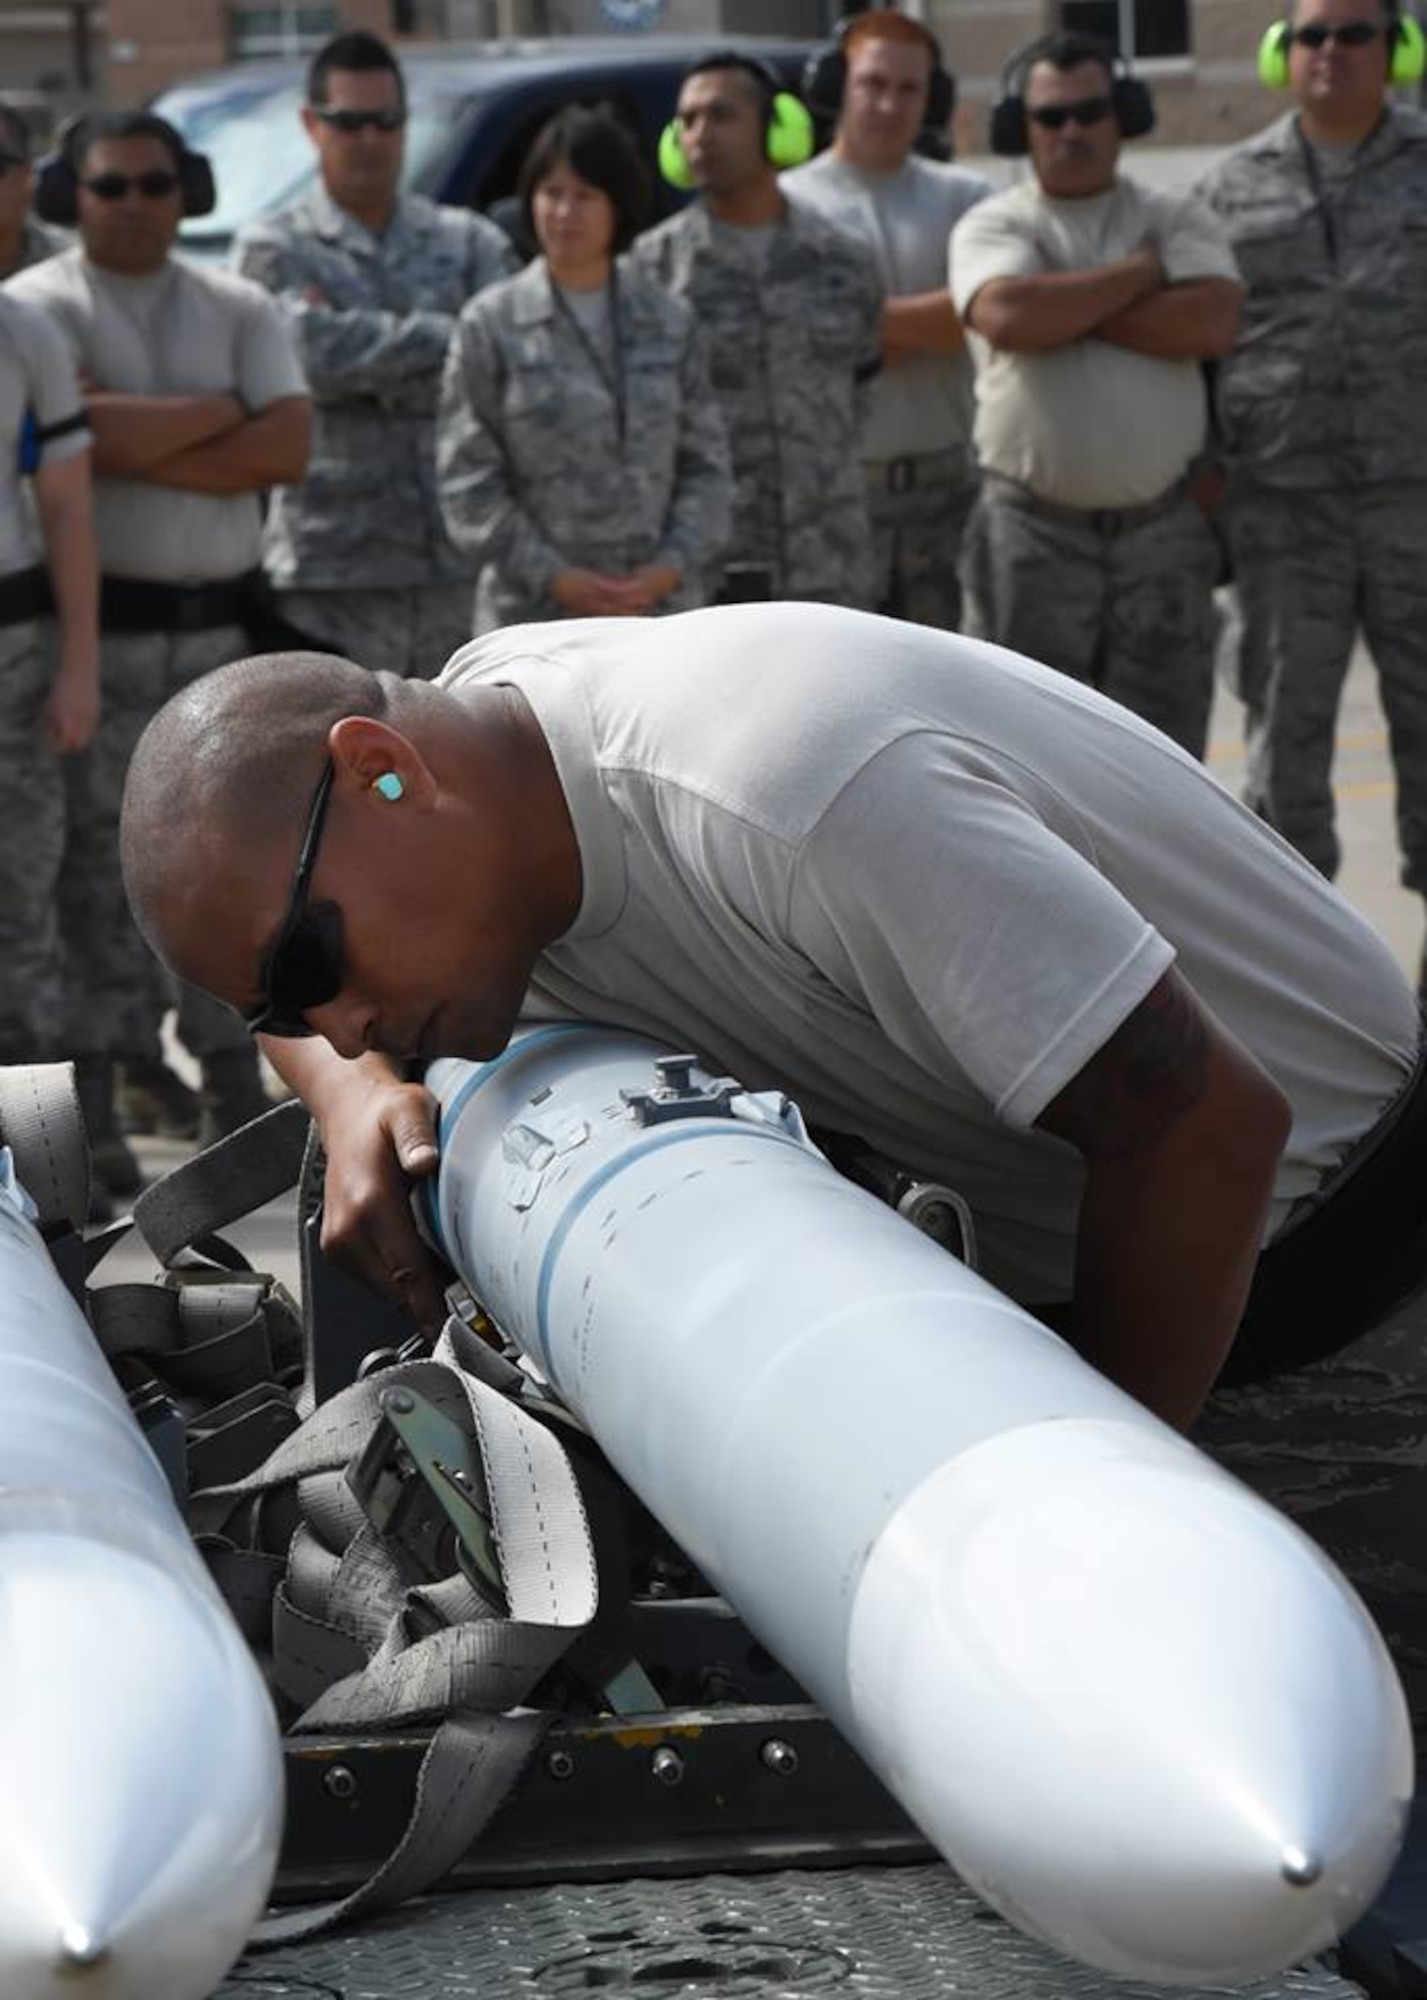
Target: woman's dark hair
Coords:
[[593, 142]]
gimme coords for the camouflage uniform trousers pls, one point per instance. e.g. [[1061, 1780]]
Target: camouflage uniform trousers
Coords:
[[411, 631], [919, 508], [1313, 569], [118, 993], [1125, 605], [31, 976]]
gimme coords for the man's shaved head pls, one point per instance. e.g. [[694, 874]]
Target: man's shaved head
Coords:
[[445, 861], [230, 763]]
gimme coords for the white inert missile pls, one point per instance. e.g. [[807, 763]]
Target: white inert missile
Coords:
[[140, 1769], [1132, 1705]]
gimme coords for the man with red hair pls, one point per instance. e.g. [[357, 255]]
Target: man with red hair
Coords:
[[871, 182]]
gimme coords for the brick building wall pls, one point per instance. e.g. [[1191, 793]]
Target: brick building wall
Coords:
[[1211, 96], [153, 42]]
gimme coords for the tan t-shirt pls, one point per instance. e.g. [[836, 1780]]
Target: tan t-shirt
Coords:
[[1090, 424], [41, 420], [185, 330]]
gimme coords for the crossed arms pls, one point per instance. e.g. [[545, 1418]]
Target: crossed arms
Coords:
[[1129, 303], [201, 444]]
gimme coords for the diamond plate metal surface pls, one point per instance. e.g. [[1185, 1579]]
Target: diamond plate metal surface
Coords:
[[857, 1934]]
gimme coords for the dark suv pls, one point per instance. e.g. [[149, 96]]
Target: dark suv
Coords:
[[474, 109]]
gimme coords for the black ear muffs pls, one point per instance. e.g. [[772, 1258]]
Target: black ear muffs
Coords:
[[57, 174], [1010, 128], [825, 80]]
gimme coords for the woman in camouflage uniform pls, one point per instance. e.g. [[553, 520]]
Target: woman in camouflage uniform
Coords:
[[582, 457]]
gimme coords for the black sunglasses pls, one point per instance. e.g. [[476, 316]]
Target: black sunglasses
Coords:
[[390, 120], [303, 966], [157, 182], [1352, 34], [10, 159], [1085, 111]]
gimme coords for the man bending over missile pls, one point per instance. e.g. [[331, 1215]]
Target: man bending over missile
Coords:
[[950, 901]]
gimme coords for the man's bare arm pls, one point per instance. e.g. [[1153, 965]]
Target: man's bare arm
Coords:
[[1051, 309], [1181, 1132], [133, 433], [1195, 321], [270, 449], [64, 504], [379, 1134], [920, 323]]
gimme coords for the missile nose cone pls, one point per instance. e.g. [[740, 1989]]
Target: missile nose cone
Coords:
[[1216, 1793], [80, 1950]]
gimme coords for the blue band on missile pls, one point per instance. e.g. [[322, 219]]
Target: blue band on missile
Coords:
[[431, 1186], [682, 1132]]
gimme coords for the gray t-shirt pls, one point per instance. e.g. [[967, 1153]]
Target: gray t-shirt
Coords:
[[921, 404], [917, 882], [185, 330], [41, 419]]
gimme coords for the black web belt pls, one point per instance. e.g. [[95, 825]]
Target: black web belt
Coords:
[[132, 604], [24, 594], [1354, 1253]]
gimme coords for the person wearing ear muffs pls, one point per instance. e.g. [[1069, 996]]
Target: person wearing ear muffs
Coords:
[[1321, 413], [1092, 302], [885, 76], [790, 308], [198, 405]]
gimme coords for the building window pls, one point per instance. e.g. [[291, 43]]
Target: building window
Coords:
[[1139, 29], [284, 30]]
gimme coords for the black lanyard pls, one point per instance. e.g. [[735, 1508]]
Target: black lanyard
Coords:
[[612, 377], [1322, 200]]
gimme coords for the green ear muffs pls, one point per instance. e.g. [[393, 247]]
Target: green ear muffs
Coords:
[[1408, 64], [789, 140]]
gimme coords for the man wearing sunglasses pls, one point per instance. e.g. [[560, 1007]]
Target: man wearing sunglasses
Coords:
[[371, 280], [953, 903], [196, 399], [1322, 415], [1092, 302]]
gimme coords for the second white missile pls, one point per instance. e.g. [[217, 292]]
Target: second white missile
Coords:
[[141, 1802]]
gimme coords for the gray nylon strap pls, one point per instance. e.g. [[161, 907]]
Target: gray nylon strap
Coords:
[[469, 1771], [227, 1181], [41, 1124]]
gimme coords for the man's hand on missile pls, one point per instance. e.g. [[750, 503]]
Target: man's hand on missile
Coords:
[[380, 1139], [379, 1134], [1181, 1131]]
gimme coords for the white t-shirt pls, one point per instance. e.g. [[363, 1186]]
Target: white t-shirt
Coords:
[[1090, 424], [38, 390], [184, 330], [923, 403], [916, 882]]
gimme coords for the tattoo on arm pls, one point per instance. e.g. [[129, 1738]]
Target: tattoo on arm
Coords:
[[1152, 1070]]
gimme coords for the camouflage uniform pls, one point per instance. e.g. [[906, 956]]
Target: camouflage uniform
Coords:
[[37, 242], [1121, 599], [921, 470], [37, 388], [791, 335], [1085, 548], [373, 316], [1325, 436], [182, 329], [553, 456]]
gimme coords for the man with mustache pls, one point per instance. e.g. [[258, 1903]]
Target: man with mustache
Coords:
[[1092, 302]]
